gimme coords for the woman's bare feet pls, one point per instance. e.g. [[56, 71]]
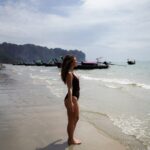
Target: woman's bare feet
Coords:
[[74, 142]]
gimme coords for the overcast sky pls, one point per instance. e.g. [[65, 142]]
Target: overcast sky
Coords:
[[112, 29]]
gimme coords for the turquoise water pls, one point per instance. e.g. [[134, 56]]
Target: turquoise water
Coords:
[[115, 100]]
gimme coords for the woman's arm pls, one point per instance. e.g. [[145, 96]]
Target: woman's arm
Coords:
[[69, 86]]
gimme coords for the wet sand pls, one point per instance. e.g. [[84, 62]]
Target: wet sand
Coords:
[[44, 128]]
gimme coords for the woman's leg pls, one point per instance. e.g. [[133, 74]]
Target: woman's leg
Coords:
[[72, 121], [76, 111], [70, 126], [76, 115]]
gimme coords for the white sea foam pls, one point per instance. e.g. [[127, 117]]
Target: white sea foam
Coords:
[[50, 83], [58, 92], [112, 86], [38, 77], [43, 70], [117, 81], [54, 88], [143, 86], [19, 73], [131, 125], [31, 68]]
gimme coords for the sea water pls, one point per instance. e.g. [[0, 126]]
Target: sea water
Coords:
[[115, 100], [121, 93]]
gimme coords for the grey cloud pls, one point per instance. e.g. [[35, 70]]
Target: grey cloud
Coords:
[[113, 32]]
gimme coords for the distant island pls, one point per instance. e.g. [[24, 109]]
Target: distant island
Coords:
[[30, 53]]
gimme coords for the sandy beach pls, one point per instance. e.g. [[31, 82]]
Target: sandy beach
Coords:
[[33, 115], [44, 128], [91, 139]]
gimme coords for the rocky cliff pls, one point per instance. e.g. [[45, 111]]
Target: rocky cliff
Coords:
[[29, 53]]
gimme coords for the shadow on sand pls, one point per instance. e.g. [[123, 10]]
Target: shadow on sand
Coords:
[[56, 145]]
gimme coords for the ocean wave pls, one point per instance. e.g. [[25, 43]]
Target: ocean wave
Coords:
[[43, 70], [143, 86], [39, 77], [118, 128], [31, 68], [50, 83], [58, 92], [112, 86], [94, 113], [131, 125], [116, 82]]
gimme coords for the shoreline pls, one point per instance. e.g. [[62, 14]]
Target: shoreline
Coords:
[[33, 117], [94, 139], [91, 137], [104, 126], [44, 128]]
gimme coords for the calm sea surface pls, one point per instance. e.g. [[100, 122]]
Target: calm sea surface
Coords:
[[115, 100]]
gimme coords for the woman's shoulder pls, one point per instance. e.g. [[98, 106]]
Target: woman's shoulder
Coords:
[[69, 75]]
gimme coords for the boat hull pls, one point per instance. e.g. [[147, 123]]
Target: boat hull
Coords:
[[88, 67]]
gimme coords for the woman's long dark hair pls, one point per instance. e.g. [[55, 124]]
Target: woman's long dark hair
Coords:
[[66, 65]]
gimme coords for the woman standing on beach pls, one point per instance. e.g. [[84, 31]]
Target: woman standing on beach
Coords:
[[71, 99]]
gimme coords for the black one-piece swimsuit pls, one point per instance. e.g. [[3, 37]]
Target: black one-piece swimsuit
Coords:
[[75, 87]]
